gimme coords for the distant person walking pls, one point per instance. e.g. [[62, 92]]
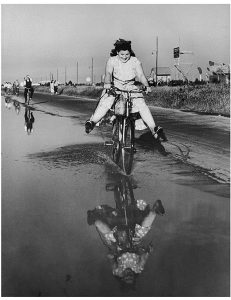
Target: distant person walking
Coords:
[[52, 87], [17, 87], [5, 86], [9, 88], [14, 88], [56, 84]]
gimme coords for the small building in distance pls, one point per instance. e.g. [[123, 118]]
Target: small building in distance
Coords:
[[219, 73], [163, 76]]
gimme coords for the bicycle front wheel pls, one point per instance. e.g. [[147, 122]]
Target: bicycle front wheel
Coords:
[[116, 137], [127, 151]]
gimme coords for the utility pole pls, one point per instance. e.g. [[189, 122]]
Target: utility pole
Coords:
[[176, 54], [65, 75], [92, 78], [178, 77], [156, 58], [77, 73], [57, 76]]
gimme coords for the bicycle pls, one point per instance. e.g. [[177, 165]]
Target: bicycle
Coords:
[[124, 220], [123, 128], [125, 204]]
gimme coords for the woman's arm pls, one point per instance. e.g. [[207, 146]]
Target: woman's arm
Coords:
[[108, 74], [141, 76]]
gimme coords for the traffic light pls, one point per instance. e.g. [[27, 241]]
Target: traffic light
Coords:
[[176, 52]]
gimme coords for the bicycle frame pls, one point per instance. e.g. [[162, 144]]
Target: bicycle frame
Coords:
[[124, 132], [125, 204]]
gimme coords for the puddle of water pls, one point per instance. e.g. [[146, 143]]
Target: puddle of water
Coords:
[[51, 178]]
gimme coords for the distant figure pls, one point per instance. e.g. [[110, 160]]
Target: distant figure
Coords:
[[5, 87], [8, 88], [14, 88], [52, 87], [56, 84], [28, 86], [17, 87]]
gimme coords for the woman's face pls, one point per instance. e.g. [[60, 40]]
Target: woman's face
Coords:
[[128, 276], [124, 55]]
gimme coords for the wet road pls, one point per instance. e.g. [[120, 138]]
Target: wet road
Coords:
[[53, 176]]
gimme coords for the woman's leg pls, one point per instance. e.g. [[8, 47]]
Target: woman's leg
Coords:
[[104, 105], [102, 227], [141, 106], [148, 220], [157, 209]]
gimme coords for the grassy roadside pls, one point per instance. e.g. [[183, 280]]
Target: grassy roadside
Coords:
[[211, 98]]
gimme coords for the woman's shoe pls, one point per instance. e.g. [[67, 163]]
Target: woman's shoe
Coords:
[[158, 208], [89, 125], [159, 134]]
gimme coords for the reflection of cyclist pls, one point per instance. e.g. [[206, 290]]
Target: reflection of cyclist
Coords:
[[29, 120], [121, 70], [123, 233], [28, 85]]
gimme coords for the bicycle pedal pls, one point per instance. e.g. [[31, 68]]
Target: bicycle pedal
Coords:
[[108, 143]]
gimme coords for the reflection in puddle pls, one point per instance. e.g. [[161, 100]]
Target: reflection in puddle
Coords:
[[123, 230], [17, 106], [8, 102], [29, 120]]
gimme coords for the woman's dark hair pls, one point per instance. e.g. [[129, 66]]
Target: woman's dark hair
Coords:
[[121, 44], [126, 287]]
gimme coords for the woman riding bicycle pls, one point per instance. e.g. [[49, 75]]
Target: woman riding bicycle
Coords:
[[28, 86], [126, 253], [121, 71]]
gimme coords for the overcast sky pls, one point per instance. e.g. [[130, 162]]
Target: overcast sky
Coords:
[[38, 39]]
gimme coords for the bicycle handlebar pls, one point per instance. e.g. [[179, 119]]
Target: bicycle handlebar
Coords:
[[113, 88]]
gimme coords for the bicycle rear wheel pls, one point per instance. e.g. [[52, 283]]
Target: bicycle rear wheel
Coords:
[[127, 151]]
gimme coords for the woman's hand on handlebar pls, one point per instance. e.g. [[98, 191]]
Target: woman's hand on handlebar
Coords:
[[107, 86], [147, 90], [110, 90]]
